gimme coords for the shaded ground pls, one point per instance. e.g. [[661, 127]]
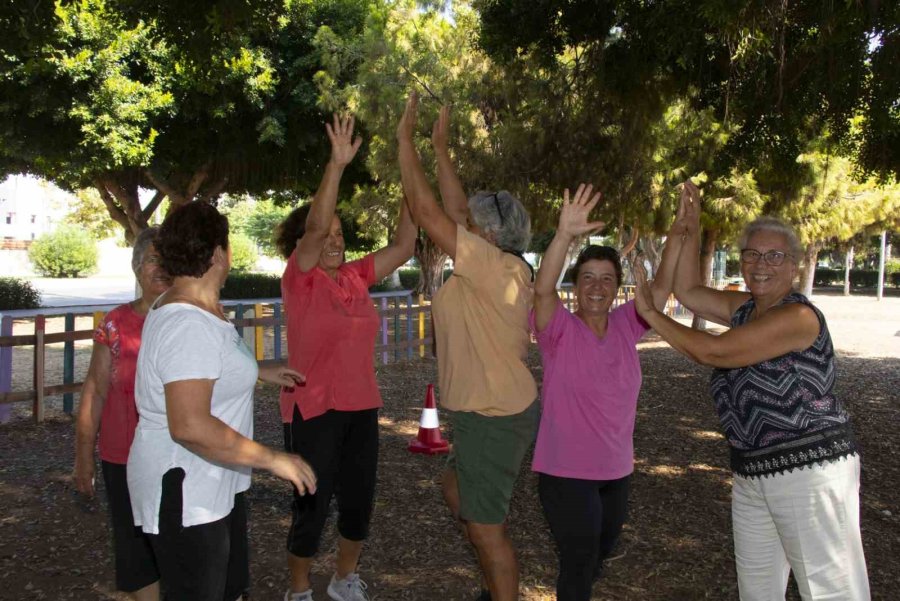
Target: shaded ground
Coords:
[[676, 546]]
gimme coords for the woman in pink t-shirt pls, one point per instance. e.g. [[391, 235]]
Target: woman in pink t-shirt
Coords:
[[107, 405], [332, 420], [592, 378]]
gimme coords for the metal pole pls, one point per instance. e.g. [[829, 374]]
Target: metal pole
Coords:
[[881, 265]]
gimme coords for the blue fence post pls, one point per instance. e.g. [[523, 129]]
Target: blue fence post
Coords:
[[239, 314], [69, 363], [276, 330], [6, 329]]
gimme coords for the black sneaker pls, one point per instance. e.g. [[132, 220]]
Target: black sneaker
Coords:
[[485, 595]]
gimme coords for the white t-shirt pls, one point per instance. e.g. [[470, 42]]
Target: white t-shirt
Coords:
[[184, 342]]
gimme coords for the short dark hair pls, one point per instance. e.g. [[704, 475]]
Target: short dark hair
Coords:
[[290, 230], [189, 236], [597, 253]]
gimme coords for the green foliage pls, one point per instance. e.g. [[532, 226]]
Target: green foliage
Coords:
[[243, 252], [16, 293], [90, 214], [251, 285], [859, 278], [67, 252]]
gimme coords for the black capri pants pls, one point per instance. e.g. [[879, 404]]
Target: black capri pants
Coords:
[[342, 448], [207, 562], [586, 518], [135, 563]]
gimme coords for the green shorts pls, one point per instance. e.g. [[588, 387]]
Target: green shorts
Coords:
[[487, 455]]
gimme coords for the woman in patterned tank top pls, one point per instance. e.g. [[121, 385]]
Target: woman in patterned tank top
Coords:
[[795, 494]]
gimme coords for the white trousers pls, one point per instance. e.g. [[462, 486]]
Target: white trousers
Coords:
[[806, 521]]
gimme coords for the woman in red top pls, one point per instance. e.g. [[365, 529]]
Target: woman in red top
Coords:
[[332, 420], [107, 405]]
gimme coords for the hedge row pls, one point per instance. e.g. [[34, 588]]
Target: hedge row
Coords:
[[859, 278], [16, 293]]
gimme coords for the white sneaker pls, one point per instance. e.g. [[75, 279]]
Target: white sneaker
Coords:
[[304, 596], [350, 588]]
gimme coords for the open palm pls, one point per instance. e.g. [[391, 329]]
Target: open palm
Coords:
[[573, 217], [343, 146]]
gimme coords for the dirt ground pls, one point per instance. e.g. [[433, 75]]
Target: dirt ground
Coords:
[[676, 545]]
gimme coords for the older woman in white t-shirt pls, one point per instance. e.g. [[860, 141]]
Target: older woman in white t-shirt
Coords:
[[193, 449]]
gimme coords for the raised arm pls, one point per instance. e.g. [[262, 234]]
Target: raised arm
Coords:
[[401, 247], [321, 212], [90, 408], [422, 204], [781, 330], [708, 303], [663, 282], [573, 222], [452, 193]]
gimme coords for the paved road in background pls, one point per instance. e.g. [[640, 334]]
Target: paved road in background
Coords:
[[85, 291]]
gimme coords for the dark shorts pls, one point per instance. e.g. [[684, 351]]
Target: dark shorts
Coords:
[[135, 563], [207, 562], [342, 448], [487, 456]]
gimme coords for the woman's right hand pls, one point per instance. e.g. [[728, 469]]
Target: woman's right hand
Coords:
[[84, 473], [288, 466], [407, 124], [687, 219], [573, 216], [343, 146]]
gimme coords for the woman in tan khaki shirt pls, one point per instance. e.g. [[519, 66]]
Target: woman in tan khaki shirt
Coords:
[[481, 327]]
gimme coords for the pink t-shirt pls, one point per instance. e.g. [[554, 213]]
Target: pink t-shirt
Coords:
[[331, 329], [589, 396], [120, 330]]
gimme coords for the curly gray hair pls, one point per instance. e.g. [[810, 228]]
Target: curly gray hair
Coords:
[[502, 214], [776, 226], [141, 244]]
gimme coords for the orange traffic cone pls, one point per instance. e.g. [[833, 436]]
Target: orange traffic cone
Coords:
[[429, 439]]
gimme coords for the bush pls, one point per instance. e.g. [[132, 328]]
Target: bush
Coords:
[[16, 293], [243, 252], [859, 278], [67, 252], [251, 285]]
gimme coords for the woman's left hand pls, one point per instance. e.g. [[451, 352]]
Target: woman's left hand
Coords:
[[643, 295], [281, 375]]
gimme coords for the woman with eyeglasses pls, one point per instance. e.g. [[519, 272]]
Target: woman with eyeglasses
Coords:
[[794, 458], [481, 327]]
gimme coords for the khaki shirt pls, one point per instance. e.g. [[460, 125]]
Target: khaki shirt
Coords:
[[481, 325]]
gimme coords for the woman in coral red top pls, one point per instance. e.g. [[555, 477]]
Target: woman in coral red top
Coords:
[[107, 405], [332, 420]]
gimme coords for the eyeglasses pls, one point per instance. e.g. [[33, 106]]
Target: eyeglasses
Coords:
[[497, 205], [773, 257]]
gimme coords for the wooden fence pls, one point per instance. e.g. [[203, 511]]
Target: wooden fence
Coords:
[[404, 333]]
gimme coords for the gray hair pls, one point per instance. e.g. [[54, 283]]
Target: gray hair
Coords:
[[141, 244], [512, 230], [776, 226]]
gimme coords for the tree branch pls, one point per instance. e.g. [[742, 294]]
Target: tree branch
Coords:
[[161, 184], [154, 203]]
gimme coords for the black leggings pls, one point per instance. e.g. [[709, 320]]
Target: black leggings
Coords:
[[585, 517], [342, 448]]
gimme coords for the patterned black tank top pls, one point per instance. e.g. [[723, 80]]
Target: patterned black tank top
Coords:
[[780, 400]]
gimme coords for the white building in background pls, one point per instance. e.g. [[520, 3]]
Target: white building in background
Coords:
[[29, 207]]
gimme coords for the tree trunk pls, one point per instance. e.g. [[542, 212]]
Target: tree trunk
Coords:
[[123, 204], [431, 262], [808, 271], [848, 265], [707, 255]]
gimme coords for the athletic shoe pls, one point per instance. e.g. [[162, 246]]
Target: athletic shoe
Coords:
[[350, 588], [304, 596]]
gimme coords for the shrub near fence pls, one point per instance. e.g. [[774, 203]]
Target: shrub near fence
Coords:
[[16, 293], [859, 278]]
